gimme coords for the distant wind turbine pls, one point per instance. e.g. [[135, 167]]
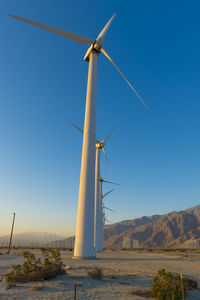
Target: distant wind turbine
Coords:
[[98, 226], [104, 207], [98, 203], [84, 243], [103, 219]]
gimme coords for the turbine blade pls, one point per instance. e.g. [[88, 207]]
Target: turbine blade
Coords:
[[108, 209], [107, 161], [110, 59], [104, 30], [108, 193], [108, 221], [81, 130], [110, 182], [72, 36], [77, 127], [109, 134]]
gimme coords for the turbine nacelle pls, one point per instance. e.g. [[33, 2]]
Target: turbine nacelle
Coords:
[[96, 47], [93, 47], [99, 42], [99, 145]]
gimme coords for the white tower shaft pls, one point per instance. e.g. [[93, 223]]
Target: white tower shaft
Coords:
[[84, 242], [102, 216], [97, 220]]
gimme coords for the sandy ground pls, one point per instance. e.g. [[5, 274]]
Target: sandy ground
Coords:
[[124, 272]]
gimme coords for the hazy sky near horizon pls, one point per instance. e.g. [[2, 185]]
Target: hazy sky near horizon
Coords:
[[154, 154]]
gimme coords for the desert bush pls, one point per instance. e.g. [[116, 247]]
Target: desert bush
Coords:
[[96, 274], [168, 286], [35, 269]]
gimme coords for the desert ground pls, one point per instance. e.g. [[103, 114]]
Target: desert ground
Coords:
[[123, 273]]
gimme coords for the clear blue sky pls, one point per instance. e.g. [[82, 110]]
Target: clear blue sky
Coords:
[[154, 154]]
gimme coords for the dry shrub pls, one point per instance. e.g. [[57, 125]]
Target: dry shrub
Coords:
[[96, 273], [33, 269], [171, 286]]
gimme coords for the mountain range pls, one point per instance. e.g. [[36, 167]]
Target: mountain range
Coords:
[[29, 239], [172, 230]]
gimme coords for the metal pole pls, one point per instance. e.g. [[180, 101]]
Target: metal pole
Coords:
[[75, 285], [11, 234]]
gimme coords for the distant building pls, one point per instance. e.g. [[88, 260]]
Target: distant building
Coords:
[[193, 244], [128, 242]]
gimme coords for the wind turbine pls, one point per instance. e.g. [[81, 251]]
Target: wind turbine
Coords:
[[104, 207], [98, 225], [84, 243], [98, 203], [103, 211]]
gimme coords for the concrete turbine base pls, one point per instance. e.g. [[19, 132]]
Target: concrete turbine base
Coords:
[[84, 257]]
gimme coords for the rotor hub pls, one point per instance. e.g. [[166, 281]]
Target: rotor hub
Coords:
[[99, 145], [96, 47]]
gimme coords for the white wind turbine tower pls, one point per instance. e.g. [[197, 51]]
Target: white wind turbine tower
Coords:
[[98, 217], [84, 243]]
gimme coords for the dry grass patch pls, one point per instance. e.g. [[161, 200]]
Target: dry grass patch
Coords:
[[167, 285], [37, 288], [10, 285], [124, 283], [111, 276], [62, 283], [142, 293]]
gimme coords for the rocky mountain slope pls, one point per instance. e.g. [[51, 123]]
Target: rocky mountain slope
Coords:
[[168, 231], [158, 231]]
